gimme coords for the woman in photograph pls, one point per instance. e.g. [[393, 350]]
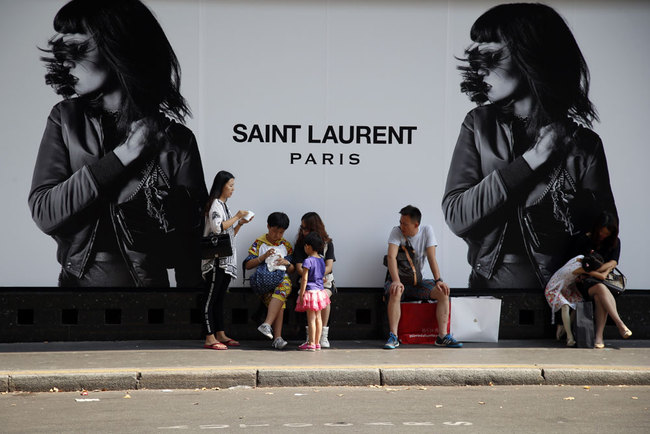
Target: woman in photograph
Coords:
[[527, 172], [116, 138]]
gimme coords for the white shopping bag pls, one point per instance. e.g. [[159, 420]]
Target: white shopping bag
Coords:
[[475, 319]]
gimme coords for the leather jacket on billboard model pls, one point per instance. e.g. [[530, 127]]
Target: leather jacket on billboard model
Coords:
[[74, 177], [553, 203]]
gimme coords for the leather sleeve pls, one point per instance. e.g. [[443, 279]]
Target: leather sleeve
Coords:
[[57, 193], [596, 176], [471, 195], [190, 175]]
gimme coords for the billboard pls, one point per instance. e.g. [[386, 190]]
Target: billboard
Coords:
[[349, 109]]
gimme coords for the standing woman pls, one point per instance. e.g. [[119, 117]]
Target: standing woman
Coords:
[[122, 113], [527, 171], [219, 220], [311, 222]]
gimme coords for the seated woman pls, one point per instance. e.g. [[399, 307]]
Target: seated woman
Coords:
[[273, 243], [603, 239], [561, 293], [311, 222]]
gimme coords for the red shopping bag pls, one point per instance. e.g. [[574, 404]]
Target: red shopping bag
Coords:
[[418, 323]]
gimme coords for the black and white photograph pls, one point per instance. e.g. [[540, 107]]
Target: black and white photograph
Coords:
[[380, 104]]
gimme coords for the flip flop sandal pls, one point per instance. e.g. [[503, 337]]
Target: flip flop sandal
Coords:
[[231, 343], [215, 346]]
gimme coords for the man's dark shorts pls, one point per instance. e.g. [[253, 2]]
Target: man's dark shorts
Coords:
[[420, 292]]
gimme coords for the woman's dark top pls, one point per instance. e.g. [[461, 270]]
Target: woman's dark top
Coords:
[[584, 246]]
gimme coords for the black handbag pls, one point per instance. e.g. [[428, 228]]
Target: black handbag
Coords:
[[407, 267], [157, 218], [216, 246], [616, 282]]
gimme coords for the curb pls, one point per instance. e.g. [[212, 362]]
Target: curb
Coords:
[[461, 377], [430, 375]]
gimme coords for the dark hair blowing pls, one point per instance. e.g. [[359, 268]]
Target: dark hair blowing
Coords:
[[546, 54], [312, 221], [413, 212], [131, 41], [220, 180]]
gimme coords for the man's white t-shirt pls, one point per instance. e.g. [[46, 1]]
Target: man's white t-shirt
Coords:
[[424, 239]]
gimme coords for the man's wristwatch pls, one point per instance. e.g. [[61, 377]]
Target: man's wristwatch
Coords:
[[438, 280]]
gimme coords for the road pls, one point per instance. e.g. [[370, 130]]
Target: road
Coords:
[[529, 409]]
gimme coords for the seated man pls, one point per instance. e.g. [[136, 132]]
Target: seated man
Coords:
[[423, 241]]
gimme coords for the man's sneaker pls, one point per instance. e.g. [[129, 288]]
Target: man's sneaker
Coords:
[[279, 343], [392, 342], [307, 347], [266, 330], [448, 341]]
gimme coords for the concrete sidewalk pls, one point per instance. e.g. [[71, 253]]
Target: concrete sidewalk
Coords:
[[129, 365]]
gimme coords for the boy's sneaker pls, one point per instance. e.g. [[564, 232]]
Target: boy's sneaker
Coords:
[[448, 341], [307, 347], [266, 330], [392, 342], [279, 343]]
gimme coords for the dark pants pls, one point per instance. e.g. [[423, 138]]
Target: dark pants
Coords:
[[217, 283]]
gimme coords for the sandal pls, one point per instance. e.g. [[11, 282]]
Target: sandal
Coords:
[[599, 346], [627, 333], [231, 343], [215, 346]]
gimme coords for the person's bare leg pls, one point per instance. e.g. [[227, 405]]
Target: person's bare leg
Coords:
[[566, 320], [394, 312], [442, 311]]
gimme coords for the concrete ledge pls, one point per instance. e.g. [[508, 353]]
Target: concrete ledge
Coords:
[[460, 377], [4, 384], [597, 377], [72, 382], [317, 377], [198, 379]]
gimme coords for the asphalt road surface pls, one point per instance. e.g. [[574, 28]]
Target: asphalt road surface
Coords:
[[518, 409]]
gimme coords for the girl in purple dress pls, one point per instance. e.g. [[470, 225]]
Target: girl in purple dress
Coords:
[[312, 297]]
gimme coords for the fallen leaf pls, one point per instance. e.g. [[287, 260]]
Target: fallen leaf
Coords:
[[569, 398], [438, 406], [587, 387], [481, 402], [340, 394], [635, 397], [422, 388], [491, 383], [269, 393], [127, 396]]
